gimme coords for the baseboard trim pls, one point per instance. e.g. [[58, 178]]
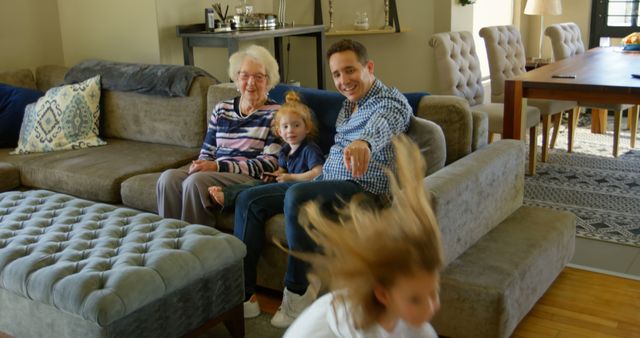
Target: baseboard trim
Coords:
[[605, 272]]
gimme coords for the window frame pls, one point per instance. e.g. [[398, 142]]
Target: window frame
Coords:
[[599, 28]]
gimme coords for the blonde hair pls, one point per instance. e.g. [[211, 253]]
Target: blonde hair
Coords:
[[260, 55], [294, 106], [367, 247]]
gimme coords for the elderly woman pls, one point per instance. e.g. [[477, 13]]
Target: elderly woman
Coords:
[[237, 148]]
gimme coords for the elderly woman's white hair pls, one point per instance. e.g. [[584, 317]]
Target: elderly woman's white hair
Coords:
[[260, 55]]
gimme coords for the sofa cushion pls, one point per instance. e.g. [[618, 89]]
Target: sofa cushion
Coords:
[[177, 121], [65, 118], [96, 173], [13, 101]]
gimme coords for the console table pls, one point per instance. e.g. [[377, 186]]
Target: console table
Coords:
[[196, 36]]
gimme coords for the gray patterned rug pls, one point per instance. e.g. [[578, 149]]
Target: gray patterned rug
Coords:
[[259, 327], [603, 191]]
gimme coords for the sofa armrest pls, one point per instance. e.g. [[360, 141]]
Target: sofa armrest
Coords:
[[474, 194], [453, 115], [480, 136]]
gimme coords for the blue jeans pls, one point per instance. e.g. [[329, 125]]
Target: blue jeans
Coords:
[[256, 205]]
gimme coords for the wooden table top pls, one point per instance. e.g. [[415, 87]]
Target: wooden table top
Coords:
[[599, 67]]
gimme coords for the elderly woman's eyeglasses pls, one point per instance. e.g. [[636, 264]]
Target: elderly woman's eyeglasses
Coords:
[[257, 77]]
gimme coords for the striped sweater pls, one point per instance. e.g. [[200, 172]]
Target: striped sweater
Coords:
[[241, 144]]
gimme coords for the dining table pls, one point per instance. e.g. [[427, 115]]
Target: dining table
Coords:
[[602, 75]]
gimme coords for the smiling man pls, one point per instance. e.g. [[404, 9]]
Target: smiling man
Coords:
[[370, 116]]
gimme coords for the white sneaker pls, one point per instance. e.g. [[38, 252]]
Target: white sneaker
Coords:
[[293, 305], [251, 307]]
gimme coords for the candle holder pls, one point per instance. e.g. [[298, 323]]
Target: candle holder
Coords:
[[331, 24], [386, 25]]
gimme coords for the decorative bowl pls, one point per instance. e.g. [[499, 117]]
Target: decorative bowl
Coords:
[[631, 46]]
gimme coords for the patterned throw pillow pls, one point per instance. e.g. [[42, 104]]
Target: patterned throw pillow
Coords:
[[66, 117]]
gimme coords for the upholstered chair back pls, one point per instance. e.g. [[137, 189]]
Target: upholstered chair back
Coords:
[[457, 66], [565, 40], [506, 56]]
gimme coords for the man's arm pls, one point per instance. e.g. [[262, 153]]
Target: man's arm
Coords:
[[391, 117]]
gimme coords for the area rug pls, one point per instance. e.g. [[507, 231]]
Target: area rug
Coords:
[[259, 327], [603, 191]]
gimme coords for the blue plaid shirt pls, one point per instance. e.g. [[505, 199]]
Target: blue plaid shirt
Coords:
[[381, 114]]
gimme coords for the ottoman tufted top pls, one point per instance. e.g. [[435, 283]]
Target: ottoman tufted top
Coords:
[[99, 261]]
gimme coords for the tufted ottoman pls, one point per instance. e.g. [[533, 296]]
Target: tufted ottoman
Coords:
[[75, 268]]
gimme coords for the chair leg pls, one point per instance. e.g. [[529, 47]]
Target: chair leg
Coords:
[[632, 120], [616, 131], [532, 149], [574, 116], [546, 124], [598, 121], [557, 121]]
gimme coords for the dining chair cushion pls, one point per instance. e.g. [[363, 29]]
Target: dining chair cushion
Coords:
[[506, 56], [565, 40], [457, 66], [551, 106], [495, 113]]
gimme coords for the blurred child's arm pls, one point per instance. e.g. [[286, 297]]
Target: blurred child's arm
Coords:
[[305, 176], [271, 177]]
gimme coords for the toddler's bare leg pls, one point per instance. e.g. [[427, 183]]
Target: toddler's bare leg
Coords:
[[217, 194]]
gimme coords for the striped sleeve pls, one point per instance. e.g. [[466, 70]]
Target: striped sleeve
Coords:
[[209, 146]]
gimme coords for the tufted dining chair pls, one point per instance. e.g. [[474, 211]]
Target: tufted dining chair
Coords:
[[458, 71], [507, 60], [566, 41]]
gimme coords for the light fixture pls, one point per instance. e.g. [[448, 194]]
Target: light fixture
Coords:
[[542, 8]]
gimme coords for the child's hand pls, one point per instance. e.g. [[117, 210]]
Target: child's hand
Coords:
[[269, 177], [285, 178]]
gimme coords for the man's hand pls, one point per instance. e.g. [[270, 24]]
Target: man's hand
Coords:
[[356, 157], [202, 165]]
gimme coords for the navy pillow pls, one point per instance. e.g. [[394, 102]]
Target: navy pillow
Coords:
[[13, 100], [326, 105]]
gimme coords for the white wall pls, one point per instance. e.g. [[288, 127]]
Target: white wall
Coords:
[[29, 34], [116, 30]]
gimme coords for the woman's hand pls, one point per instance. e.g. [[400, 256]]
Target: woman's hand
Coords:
[[202, 165]]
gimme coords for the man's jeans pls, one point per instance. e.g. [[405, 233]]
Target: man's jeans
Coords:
[[256, 205]]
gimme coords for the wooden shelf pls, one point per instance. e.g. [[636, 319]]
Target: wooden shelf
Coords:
[[346, 32]]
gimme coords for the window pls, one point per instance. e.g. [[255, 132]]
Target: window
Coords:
[[613, 18]]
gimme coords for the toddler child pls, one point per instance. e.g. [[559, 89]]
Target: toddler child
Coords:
[[300, 159], [381, 265]]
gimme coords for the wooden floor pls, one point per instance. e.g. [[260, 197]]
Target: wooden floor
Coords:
[[579, 303], [585, 304]]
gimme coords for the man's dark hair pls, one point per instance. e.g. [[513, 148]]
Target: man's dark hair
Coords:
[[349, 45]]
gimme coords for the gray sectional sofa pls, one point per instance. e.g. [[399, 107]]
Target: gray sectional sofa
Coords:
[[501, 256]]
